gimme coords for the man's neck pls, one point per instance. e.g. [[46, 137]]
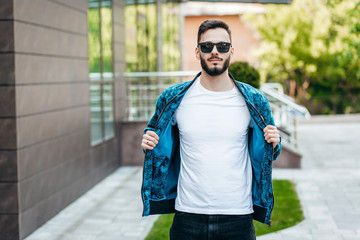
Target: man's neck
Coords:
[[218, 83]]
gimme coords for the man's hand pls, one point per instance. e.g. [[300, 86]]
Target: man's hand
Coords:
[[272, 135], [150, 140]]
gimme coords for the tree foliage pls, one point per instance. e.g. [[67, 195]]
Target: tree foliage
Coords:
[[313, 48]]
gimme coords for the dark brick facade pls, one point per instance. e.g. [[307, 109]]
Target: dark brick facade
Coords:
[[46, 158]]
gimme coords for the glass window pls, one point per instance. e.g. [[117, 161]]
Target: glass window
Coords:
[[143, 33], [100, 34]]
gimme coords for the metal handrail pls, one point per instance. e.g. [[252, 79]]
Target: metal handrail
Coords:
[[161, 74], [285, 111], [272, 90]]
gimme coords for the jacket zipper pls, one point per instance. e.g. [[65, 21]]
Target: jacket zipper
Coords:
[[157, 120], [273, 149], [272, 158], [262, 118], [162, 111], [142, 185], [187, 87], [273, 198]]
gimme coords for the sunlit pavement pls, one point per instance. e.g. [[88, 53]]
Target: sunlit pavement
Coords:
[[328, 185], [329, 182], [112, 210]]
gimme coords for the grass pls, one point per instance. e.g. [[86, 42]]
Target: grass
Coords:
[[286, 213]]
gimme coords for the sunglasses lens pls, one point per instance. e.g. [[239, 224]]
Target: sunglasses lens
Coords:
[[207, 47], [223, 47]]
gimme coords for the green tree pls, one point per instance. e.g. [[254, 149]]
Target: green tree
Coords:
[[313, 48]]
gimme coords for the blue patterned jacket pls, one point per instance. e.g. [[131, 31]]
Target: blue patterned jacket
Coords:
[[162, 164]]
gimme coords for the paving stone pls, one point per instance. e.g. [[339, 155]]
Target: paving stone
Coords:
[[99, 214], [326, 236], [297, 237], [271, 236], [327, 191]]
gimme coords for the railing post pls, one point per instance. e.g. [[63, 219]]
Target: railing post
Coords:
[[296, 122]]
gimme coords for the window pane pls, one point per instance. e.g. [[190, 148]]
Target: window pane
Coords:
[[106, 37], [101, 70], [94, 36], [140, 24], [171, 37], [108, 110], [95, 107]]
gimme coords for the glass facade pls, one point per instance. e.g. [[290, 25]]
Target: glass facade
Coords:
[[142, 36], [100, 35], [152, 42]]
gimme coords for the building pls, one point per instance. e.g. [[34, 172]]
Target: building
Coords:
[[57, 138]]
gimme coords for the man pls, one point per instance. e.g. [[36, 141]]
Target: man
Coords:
[[209, 149]]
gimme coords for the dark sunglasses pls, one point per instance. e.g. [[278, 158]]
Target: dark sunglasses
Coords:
[[222, 47]]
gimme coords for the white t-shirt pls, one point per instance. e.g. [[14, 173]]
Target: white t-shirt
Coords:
[[215, 172]]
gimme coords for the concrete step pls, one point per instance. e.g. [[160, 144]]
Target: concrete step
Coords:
[[289, 158]]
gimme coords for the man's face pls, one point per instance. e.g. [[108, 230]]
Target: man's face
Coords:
[[214, 63]]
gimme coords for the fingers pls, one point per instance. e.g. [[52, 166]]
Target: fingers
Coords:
[[147, 145], [150, 140], [272, 135], [152, 134], [270, 127]]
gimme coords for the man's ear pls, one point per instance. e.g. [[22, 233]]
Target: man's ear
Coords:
[[232, 51], [197, 54]]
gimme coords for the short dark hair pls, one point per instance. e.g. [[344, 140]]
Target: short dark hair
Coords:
[[212, 24]]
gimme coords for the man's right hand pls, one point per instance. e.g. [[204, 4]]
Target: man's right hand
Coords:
[[150, 140]]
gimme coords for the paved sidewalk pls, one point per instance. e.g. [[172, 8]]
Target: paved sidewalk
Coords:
[[328, 186], [109, 211]]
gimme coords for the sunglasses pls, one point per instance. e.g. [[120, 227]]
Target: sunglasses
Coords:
[[222, 47]]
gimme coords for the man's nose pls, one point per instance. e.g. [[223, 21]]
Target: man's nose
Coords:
[[214, 50]]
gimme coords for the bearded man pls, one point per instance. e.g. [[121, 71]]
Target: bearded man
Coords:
[[209, 149]]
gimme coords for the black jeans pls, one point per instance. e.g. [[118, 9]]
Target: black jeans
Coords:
[[189, 226]]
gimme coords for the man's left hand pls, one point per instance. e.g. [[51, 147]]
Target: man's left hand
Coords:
[[272, 135]]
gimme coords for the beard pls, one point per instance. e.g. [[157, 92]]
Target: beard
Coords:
[[215, 71]]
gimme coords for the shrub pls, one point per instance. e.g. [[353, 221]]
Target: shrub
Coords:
[[243, 72]]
